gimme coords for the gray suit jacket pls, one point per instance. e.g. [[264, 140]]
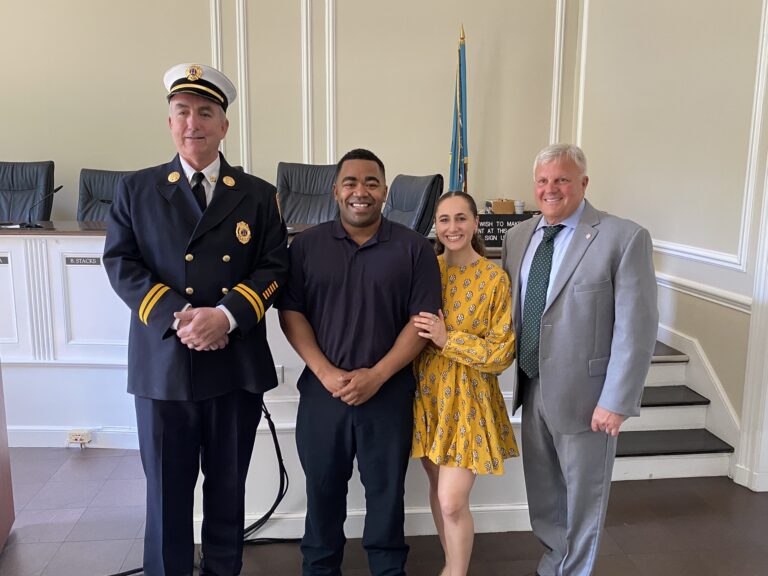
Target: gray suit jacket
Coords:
[[599, 325]]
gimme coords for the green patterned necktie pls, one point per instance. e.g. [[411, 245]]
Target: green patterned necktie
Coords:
[[535, 299]]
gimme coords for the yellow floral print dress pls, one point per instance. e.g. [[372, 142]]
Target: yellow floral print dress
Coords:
[[460, 418]]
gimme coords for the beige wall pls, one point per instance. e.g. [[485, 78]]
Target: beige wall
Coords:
[[660, 94]]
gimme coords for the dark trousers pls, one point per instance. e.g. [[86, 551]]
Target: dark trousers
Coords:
[[177, 439], [329, 435]]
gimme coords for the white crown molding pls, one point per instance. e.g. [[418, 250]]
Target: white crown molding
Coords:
[[330, 80], [242, 82], [557, 73], [306, 82], [706, 292]]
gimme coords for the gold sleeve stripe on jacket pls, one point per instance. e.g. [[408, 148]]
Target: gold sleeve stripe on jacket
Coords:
[[241, 289], [255, 296], [147, 298], [270, 290], [151, 304]]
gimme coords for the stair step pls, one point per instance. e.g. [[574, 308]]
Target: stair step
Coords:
[[687, 466], [672, 395], [663, 354], [666, 373], [670, 442], [668, 418]]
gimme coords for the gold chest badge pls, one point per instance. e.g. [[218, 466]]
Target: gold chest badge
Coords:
[[173, 177], [229, 181], [243, 233]]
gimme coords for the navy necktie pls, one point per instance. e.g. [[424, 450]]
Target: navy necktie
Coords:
[[535, 300], [198, 189]]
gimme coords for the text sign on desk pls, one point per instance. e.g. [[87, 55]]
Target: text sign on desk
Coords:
[[83, 261], [494, 226]]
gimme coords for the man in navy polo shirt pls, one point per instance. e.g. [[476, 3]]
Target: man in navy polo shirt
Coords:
[[355, 283]]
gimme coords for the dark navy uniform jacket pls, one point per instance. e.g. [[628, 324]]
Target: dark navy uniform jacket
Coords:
[[161, 254]]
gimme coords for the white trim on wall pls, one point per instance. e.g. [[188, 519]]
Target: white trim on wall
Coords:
[[706, 292], [734, 261], [584, 33], [242, 82], [687, 252], [216, 47], [752, 457], [557, 72], [330, 80], [38, 281], [307, 138]]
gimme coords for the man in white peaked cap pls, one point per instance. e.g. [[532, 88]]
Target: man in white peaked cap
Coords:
[[197, 250]]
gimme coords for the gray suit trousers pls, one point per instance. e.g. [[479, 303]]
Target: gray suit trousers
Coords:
[[568, 480]]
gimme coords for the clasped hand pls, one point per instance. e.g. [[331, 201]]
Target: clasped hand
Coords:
[[203, 329], [353, 388]]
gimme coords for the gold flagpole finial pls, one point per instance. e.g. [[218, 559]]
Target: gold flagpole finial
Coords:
[[461, 37]]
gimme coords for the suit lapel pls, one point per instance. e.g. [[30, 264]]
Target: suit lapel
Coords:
[[227, 194], [175, 189], [584, 234], [515, 259]]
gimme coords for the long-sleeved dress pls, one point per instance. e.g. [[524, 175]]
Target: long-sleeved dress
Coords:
[[460, 418]]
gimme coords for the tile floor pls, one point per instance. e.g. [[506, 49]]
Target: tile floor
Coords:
[[82, 514]]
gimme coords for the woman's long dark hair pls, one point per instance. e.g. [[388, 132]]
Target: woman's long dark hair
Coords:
[[477, 242]]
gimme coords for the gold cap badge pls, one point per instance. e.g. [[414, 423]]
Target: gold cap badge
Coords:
[[243, 232], [173, 177], [229, 181], [194, 72]]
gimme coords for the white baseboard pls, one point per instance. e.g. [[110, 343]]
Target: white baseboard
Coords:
[[753, 480], [418, 522], [52, 436]]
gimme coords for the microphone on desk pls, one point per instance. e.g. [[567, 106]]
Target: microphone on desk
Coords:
[[28, 223]]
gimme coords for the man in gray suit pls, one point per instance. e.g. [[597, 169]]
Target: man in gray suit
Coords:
[[584, 295]]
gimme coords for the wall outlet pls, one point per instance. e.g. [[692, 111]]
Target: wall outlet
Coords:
[[81, 437]]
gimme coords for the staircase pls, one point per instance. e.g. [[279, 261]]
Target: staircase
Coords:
[[669, 438]]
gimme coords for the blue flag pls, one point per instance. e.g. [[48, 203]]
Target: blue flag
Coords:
[[459, 152]]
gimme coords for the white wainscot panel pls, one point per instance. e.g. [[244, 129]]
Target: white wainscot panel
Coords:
[[90, 321], [8, 328], [15, 322]]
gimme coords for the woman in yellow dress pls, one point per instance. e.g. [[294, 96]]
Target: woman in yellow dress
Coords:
[[461, 425]]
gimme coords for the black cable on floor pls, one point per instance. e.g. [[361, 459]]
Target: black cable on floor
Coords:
[[281, 492]]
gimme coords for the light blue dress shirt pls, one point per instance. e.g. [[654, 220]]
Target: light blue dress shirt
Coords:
[[562, 241]]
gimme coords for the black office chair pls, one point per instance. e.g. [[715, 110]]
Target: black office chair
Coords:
[[411, 201], [97, 189], [26, 191], [305, 192]]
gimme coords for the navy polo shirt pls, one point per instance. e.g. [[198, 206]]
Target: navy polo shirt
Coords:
[[359, 298]]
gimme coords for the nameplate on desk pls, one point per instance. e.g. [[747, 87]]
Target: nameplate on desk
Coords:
[[494, 226], [82, 261], [3, 260]]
